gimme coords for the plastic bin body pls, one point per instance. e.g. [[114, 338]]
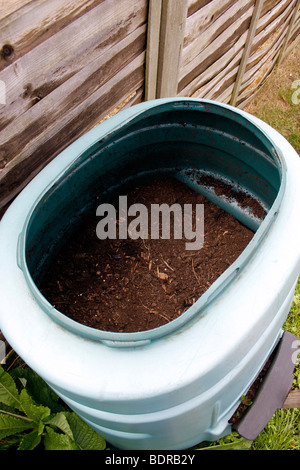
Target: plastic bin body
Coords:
[[177, 385]]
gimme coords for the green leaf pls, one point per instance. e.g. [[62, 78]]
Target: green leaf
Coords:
[[241, 444], [33, 411], [85, 437], [10, 443], [10, 425], [38, 389], [60, 421], [56, 441], [30, 441], [9, 394]]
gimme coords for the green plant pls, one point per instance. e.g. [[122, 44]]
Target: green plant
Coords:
[[281, 433], [231, 442], [32, 415], [292, 324]]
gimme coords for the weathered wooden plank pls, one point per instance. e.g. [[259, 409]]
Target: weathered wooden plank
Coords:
[[222, 25], [274, 13], [226, 95], [153, 36], [36, 22], [269, 5], [214, 89], [65, 53], [194, 5], [258, 76], [8, 7], [60, 124], [289, 32], [45, 144], [214, 73], [247, 49], [26, 126], [269, 20], [256, 69], [244, 98], [294, 39], [198, 56], [269, 29], [265, 54], [292, 400], [296, 27], [262, 62], [135, 98], [204, 17], [173, 17], [253, 86], [273, 43], [222, 92]]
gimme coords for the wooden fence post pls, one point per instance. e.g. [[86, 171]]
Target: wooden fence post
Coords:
[[246, 52], [153, 37], [165, 40]]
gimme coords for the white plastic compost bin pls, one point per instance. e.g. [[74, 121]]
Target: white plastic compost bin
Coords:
[[177, 385]]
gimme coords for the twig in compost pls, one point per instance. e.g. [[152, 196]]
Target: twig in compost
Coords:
[[168, 266], [195, 272]]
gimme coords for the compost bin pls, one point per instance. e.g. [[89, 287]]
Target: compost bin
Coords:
[[173, 386]]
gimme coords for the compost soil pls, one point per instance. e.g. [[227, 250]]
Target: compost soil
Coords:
[[136, 285]]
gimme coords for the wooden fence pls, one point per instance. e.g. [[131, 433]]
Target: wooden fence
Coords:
[[65, 65]]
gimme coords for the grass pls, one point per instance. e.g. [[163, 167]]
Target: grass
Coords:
[[284, 120], [281, 433], [276, 101], [292, 324]]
